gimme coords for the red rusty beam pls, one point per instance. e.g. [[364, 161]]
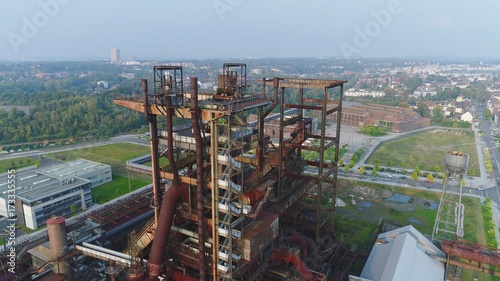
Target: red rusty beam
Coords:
[[471, 251], [161, 110]]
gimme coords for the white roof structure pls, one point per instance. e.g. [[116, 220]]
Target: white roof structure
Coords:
[[403, 254]]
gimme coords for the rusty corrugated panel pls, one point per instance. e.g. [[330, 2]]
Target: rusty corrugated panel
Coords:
[[259, 235]]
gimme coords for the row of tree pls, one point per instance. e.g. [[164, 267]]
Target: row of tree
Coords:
[[69, 115]]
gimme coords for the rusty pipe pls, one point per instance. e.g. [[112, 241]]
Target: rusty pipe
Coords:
[[311, 245], [297, 239], [153, 131], [170, 142], [199, 173], [167, 210], [144, 87], [112, 265], [293, 258]]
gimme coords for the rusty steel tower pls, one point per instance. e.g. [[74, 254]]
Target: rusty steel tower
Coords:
[[232, 203]]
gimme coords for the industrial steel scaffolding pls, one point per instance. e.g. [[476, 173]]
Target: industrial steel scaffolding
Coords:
[[229, 189]]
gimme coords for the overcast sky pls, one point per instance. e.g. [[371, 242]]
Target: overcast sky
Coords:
[[185, 29]]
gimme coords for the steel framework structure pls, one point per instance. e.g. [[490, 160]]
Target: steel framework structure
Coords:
[[228, 186]]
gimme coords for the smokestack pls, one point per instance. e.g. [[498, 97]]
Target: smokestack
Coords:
[[56, 228]]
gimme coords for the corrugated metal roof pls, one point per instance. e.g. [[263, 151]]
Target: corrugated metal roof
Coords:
[[403, 254]]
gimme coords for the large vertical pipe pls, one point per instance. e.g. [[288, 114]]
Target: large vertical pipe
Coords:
[[167, 210], [170, 142], [153, 130], [262, 116], [155, 267], [111, 270], [199, 173], [281, 172], [56, 229]]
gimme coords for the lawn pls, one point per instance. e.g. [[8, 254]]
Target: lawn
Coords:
[[16, 163], [116, 188], [427, 149], [113, 154]]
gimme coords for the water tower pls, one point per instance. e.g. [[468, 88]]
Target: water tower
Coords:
[[449, 222]]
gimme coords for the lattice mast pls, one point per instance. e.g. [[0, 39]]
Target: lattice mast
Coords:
[[449, 222]]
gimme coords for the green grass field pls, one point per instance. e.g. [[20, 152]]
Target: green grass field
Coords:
[[427, 149], [16, 163], [113, 154], [116, 188]]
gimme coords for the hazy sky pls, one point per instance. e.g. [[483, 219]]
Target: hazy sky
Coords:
[[182, 29]]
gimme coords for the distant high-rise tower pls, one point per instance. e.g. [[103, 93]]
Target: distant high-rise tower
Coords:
[[115, 55]]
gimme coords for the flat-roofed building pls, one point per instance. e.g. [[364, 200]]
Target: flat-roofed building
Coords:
[[38, 197], [60, 189], [96, 173]]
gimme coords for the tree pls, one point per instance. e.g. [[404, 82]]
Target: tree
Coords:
[[422, 109], [374, 172], [430, 177], [414, 176], [437, 168], [402, 164], [487, 113], [388, 163], [361, 170], [437, 114], [417, 170], [412, 84]]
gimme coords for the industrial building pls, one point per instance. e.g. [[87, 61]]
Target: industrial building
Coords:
[[236, 206], [96, 173], [230, 204], [401, 254], [60, 189], [396, 119]]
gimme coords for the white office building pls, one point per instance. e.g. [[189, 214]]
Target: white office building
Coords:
[[60, 189]]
